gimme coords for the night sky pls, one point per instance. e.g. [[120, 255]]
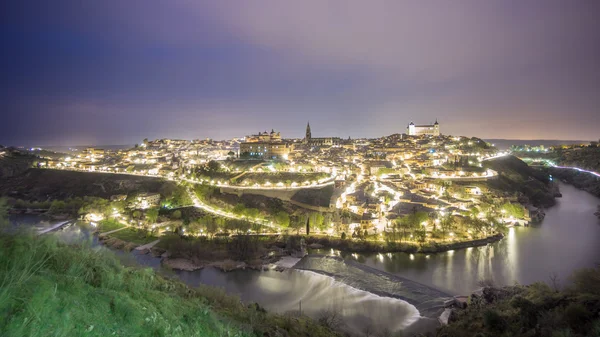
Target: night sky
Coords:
[[115, 72]]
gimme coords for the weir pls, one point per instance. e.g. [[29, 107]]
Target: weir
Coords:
[[54, 227], [429, 301]]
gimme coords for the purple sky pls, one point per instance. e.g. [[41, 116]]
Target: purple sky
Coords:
[[115, 72]]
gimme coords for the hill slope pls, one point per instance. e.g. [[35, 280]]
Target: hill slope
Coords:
[[50, 289]]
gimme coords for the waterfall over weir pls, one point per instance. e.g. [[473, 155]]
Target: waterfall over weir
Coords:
[[429, 301], [317, 294]]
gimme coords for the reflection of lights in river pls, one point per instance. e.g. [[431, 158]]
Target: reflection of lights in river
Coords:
[[412, 257]]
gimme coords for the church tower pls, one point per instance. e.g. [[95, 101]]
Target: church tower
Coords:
[[308, 134]]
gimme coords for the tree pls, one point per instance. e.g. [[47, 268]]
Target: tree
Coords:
[[3, 212], [282, 218], [152, 215], [476, 225], [239, 210], [213, 166], [446, 224], [403, 224], [97, 206], [417, 218], [513, 210], [317, 220], [421, 234], [176, 214], [240, 226], [210, 224], [327, 219], [194, 226], [298, 221], [179, 197], [252, 213], [204, 192], [57, 206]]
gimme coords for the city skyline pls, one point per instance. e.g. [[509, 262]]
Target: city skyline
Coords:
[[115, 73]]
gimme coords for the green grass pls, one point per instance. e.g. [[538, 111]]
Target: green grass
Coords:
[[109, 225], [54, 290], [50, 289], [133, 235]]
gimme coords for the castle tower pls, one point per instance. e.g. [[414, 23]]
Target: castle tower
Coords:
[[410, 129], [436, 128]]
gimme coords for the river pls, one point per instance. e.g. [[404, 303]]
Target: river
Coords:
[[402, 291], [567, 239]]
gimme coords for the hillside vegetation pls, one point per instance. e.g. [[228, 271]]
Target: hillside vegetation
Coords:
[[531, 185], [42, 184], [50, 289], [537, 310]]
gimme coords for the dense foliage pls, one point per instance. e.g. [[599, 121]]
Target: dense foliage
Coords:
[[535, 310]]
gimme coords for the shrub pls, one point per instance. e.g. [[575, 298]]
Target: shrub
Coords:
[[577, 315], [493, 321], [587, 281]]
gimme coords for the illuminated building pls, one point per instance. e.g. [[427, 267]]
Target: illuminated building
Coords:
[[265, 145], [418, 130], [322, 141], [146, 200]]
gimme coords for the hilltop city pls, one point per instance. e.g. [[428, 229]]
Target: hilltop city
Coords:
[[414, 186]]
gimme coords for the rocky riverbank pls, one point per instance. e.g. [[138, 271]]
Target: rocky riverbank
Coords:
[[538, 309], [220, 258], [581, 180], [115, 243]]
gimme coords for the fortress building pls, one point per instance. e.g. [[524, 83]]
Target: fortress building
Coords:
[[428, 130], [265, 145]]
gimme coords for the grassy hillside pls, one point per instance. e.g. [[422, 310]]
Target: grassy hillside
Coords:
[[49, 289]]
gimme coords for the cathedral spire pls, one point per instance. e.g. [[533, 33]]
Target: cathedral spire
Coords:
[[308, 134]]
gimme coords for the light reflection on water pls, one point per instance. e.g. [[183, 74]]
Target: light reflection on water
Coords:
[[567, 239], [283, 291]]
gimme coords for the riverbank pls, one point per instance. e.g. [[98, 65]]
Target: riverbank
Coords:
[[50, 288], [581, 180], [364, 246], [226, 254], [517, 178], [261, 253], [538, 309]]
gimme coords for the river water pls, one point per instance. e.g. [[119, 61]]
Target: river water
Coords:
[[402, 291], [567, 239]]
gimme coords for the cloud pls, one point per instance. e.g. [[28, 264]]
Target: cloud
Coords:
[[358, 68]]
